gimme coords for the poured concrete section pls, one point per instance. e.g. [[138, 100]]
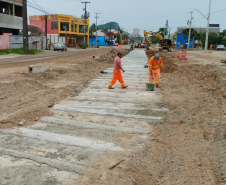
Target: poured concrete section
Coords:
[[103, 112], [55, 120], [83, 130], [51, 162], [63, 139]]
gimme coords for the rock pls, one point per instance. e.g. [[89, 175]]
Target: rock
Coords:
[[22, 123]]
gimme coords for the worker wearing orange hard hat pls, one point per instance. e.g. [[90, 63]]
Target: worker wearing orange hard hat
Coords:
[[117, 75], [155, 68]]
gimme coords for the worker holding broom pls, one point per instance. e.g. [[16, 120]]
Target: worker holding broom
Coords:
[[117, 75], [155, 68]]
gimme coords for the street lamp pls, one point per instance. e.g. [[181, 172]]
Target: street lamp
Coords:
[[208, 28]]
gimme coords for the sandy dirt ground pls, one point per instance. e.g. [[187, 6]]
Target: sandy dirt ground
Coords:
[[24, 98], [189, 146]]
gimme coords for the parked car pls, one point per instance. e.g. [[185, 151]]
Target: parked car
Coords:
[[60, 46], [220, 47], [115, 44]]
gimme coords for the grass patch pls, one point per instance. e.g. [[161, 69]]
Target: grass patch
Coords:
[[19, 51]]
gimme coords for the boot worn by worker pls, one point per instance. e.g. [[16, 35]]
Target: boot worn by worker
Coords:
[[111, 88], [157, 86], [124, 87]]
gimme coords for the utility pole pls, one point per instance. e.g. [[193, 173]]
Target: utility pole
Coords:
[[189, 36], [25, 28], [208, 29], [46, 30], [166, 29], [96, 26], [65, 35], [110, 34], [85, 17]]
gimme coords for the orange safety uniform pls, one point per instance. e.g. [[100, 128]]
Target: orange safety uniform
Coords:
[[117, 75], [211, 46], [154, 67]]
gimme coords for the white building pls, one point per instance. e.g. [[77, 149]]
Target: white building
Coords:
[[136, 32]]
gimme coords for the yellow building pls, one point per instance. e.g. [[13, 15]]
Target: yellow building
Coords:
[[63, 25]]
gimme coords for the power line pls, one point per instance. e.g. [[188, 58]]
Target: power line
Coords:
[[31, 6], [210, 13], [40, 7]]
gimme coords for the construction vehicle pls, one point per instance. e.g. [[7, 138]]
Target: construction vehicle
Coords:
[[164, 43], [139, 45]]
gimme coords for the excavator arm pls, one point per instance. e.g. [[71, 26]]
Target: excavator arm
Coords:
[[153, 34]]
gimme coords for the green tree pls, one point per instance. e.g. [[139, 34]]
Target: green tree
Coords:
[[163, 31], [125, 36], [132, 41], [105, 29], [92, 29], [224, 32], [213, 38], [118, 38], [39, 33], [155, 40], [224, 41], [194, 34]]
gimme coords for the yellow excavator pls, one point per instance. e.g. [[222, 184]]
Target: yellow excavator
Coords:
[[165, 43]]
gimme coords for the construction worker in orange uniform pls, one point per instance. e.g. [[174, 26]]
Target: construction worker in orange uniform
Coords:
[[117, 75], [211, 46], [155, 68]]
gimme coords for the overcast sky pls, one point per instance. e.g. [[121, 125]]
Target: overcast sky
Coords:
[[143, 14]]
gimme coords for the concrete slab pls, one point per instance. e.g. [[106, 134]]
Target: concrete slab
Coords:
[[103, 112], [51, 162], [63, 121], [63, 139]]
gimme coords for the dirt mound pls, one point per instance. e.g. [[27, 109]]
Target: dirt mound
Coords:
[[109, 57]]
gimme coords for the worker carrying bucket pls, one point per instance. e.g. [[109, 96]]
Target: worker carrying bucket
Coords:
[[155, 68]]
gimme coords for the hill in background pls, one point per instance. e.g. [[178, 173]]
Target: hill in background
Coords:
[[114, 26]]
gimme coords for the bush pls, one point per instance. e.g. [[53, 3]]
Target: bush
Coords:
[[19, 51], [83, 47], [80, 45]]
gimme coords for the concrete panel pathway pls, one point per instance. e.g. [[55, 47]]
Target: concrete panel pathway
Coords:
[[83, 129]]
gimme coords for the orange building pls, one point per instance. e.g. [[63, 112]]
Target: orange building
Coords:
[[63, 25]]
